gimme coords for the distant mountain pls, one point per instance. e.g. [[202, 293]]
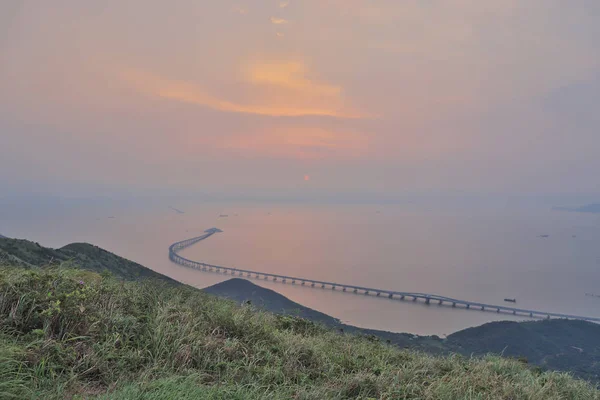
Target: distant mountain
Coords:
[[3, 237], [590, 208], [562, 345], [30, 254]]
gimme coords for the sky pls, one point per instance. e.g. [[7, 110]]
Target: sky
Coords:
[[300, 96]]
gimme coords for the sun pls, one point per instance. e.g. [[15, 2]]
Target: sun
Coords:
[[306, 177]]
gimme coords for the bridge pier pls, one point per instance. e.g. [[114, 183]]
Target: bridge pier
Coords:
[[391, 295], [441, 302], [402, 297], [427, 300], [366, 292], [323, 286], [344, 289], [378, 293], [498, 311], [312, 284], [454, 304], [414, 298], [482, 308], [355, 290], [293, 281], [303, 283], [332, 287], [468, 306]]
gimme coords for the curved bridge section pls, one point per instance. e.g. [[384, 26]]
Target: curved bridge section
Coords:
[[426, 298]]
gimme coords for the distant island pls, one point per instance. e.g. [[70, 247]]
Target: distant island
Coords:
[[590, 208]]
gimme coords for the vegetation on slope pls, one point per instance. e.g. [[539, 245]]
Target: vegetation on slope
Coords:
[[572, 346], [69, 333], [30, 254], [557, 344], [242, 290]]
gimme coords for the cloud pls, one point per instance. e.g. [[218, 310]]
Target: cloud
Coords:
[[297, 142], [284, 4], [278, 21], [280, 34], [278, 89], [288, 75], [240, 10]]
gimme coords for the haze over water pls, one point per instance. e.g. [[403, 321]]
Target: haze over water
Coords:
[[482, 254], [351, 101]]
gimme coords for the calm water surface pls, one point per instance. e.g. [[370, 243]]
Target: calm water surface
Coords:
[[484, 255]]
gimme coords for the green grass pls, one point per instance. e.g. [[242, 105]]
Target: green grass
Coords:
[[69, 333]]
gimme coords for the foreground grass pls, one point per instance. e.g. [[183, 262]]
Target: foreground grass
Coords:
[[68, 333]]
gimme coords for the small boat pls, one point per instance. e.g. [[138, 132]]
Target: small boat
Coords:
[[511, 300]]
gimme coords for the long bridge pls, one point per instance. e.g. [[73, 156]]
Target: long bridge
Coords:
[[391, 294]]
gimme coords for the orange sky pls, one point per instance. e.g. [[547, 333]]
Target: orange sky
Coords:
[[371, 95]]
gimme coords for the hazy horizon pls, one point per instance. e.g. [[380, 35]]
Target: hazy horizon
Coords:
[[303, 99]]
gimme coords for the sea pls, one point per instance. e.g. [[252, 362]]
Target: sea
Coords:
[[546, 259]]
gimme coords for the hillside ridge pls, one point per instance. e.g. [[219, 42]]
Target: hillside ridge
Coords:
[[87, 256]]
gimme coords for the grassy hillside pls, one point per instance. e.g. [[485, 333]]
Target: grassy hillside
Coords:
[[554, 344], [562, 345], [242, 290], [69, 333], [30, 254]]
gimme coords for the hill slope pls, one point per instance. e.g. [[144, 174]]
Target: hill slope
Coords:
[[30, 254], [565, 345], [242, 290], [562, 345], [69, 333]]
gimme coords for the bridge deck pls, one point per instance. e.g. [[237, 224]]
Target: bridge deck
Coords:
[[426, 297]]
